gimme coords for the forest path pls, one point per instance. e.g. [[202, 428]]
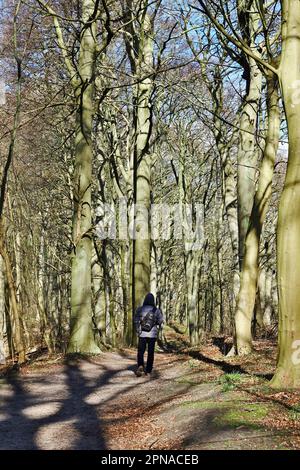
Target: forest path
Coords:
[[99, 403]]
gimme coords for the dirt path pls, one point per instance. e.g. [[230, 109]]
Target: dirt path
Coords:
[[100, 404]]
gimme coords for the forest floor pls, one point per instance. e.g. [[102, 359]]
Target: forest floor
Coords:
[[196, 399]]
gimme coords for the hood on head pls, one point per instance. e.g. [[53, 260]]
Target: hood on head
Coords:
[[149, 300]]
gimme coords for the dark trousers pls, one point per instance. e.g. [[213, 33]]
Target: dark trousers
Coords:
[[143, 342]]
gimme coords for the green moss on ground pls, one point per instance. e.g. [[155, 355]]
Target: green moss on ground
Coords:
[[206, 405], [233, 413], [249, 415], [187, 381], [294, 413]]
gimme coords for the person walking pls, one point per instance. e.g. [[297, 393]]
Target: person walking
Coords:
[[148, 319]]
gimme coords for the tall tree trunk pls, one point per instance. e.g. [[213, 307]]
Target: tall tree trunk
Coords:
[[219, 323], [153, 280], [98, 295], [129, 326], [124, 285], [192, 291], [82, 337], [16, 326], [268, 311], [144, 89], [45, 327], [248, 154], [229, 187], [15, 320], [128, 278], [250, 269], [2, 315], [287, 373], [192, 253], [229, 199]]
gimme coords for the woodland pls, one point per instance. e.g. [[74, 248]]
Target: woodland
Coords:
[[150, 146]]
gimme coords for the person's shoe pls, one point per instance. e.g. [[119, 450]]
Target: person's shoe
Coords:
[[140, 371]]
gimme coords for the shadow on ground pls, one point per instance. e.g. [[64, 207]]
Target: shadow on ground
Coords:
[[61, 409]]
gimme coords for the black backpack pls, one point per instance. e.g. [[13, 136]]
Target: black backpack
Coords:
[[149, 320]]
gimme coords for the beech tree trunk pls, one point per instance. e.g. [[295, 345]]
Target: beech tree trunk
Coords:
[[287, 373], [82, 338], [3, 328], [15, 320], [248, 154], [142, 166], [250, 266]]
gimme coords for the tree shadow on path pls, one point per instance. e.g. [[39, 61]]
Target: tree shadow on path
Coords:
[[60, 410]]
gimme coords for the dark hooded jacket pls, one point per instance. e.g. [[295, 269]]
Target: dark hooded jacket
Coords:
[[148, 305]]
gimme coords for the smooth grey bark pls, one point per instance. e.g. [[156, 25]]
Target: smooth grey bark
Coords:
[[139, 42], [247, 159], [3, 349], [82, 337], [144, 89], [287, 373], [250, 266], [153, 277]]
